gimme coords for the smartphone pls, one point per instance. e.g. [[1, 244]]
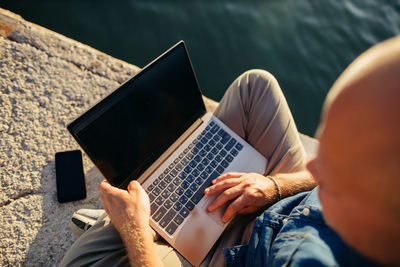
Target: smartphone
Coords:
[[69, 176]]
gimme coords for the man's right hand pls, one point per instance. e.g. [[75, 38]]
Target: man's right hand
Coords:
[[249, 192]]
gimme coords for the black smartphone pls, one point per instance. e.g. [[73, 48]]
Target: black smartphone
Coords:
[[70, 177]]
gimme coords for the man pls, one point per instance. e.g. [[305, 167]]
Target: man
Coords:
[[356, 166]]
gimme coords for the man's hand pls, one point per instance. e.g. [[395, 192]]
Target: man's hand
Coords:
[[249, 192], [126, 206], [129, 211]]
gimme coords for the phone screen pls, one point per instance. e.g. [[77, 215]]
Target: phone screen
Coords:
[[70, 177]]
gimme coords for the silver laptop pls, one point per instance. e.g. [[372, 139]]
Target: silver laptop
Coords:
[[155, 128]]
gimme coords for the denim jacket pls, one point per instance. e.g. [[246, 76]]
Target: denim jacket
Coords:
[[293, 233]]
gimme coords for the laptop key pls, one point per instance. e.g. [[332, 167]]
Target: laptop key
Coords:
[[193, 187], [174, 197], [195, 172], [214, 129], [212, 143], [151, 197], [168, 204], [225, 138], [168, 179], [184, 212], [167, 218], [189, 205], [182, 175], [178, 219], [209, 169], [177, 181], [198, 181], [224, 163], [156, 191], [179, 167], [190, 178], [177, 206], [200, 192], [230, 144], [150, 188], [174, 173], [239, 146], [162, 185], [160, 200], [223, 152], [171, 187], [180, 191], [229, 158], [207, 147], [153, 208], [159, 214], [183, 199], [220, 169], [185, 184], [192, 163], [234, 152], [171, 228], [188, 169], [157, 180], [221, 133], [204, 140], [200, 167], [188, 193], [165, 194], [203, 152], [205, 161]]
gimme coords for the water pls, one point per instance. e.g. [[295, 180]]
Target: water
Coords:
[[306, 44]]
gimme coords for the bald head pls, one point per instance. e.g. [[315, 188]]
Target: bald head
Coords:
[[361, 118], [358, 160]]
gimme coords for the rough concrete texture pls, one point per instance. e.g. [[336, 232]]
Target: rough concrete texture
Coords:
[[46, 80]]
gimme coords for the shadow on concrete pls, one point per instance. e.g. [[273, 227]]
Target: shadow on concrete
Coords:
[[54, 237]]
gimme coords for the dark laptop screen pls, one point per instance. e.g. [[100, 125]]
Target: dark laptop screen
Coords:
[[129, 129]]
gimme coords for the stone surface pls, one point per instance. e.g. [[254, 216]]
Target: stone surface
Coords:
[[46, 80]]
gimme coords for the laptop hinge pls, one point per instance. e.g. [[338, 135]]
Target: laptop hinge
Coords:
[[169, 151]]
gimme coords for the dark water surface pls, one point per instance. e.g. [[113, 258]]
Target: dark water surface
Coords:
[[306, 44]]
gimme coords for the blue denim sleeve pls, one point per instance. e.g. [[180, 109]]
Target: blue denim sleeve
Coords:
[[293, 233]]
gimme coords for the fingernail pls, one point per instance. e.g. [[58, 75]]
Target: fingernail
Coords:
[[206, 191]]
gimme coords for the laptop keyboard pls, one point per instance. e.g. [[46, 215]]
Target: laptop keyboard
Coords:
[[181, 186]]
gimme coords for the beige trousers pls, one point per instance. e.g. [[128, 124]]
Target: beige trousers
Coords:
[[255, 108]]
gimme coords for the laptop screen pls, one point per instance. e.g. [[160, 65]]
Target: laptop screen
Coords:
[[129, 129]]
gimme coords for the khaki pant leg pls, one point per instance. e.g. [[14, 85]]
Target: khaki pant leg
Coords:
[[102, 245], [255, 108]]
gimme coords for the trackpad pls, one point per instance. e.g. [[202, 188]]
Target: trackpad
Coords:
[[217, 214]]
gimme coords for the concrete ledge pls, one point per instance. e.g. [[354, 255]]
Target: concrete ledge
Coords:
[[46, 80]]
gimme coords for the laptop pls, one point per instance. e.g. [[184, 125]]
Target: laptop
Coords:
[[155, 128]]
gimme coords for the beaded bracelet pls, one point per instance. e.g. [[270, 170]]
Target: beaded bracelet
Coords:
[[277, 186]]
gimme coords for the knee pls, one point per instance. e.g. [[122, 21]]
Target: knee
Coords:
[[258, 82]]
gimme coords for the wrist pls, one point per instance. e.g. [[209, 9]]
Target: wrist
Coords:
[[278, 194]]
